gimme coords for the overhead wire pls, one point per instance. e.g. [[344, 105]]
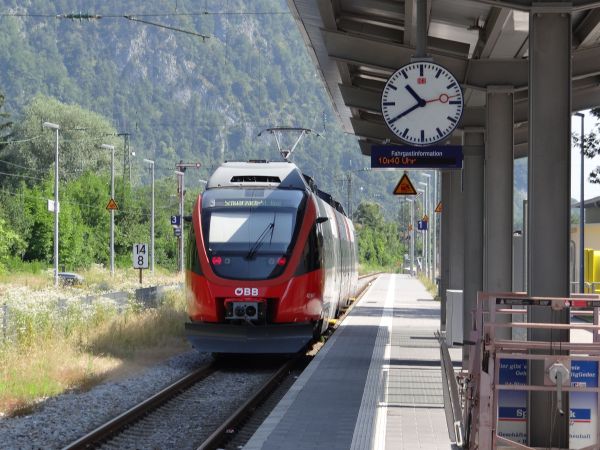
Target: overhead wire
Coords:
[[132, 212]]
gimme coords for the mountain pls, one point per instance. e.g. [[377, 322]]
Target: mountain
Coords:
[[178, 95]]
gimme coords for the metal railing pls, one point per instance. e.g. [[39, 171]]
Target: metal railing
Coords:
[[481, 384]]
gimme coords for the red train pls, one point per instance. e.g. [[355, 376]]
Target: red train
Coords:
[[271, 259]]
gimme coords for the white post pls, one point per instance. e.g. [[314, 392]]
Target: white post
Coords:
[[429, 213], [151, 162], [112, 211], [434, 217], [426, 232], [55, 127], [423, 250], [181, 176]]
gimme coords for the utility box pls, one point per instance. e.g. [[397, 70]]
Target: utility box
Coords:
[[454, 317]]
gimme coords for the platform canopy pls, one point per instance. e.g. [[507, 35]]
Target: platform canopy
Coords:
[[358, 44]]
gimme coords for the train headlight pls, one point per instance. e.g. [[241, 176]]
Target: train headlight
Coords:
[[240, 311], [250, 311]]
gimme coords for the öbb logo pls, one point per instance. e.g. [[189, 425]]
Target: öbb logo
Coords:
[[253, 292]]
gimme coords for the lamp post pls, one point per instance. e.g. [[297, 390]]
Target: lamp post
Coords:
[[581, 213], [412, 235], [435, 225], [424, 243], [112, 211], [426, 235], [55, 127], [181, 185], [151, 162]]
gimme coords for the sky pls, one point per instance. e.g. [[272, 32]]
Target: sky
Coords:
[[590, 190]]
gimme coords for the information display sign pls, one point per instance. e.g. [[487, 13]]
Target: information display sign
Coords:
[[408, 157]]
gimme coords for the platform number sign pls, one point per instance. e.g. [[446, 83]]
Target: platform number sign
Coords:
[[140, 256]]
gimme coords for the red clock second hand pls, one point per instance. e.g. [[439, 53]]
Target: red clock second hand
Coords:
[[442, 98]]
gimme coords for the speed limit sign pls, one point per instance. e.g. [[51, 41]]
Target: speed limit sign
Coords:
[[140, 256]]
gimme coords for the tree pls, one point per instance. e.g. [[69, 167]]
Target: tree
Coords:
[[81, 132], [10, 244], [5, 124]]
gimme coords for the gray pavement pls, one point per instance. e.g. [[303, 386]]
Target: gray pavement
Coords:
[[376, 384]]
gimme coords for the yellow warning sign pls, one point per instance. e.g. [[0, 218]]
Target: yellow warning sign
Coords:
[[405, 187], [438, 208], [425, 218], [112, 205]]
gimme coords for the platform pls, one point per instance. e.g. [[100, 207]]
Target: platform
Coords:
[[376, 383]]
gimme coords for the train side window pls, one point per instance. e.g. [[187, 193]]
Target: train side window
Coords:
[[193, 262], [311, 253]]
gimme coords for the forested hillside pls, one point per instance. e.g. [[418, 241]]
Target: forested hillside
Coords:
[[139, 71], [178, 95]]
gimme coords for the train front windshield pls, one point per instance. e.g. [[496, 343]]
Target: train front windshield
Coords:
[[249, 233]]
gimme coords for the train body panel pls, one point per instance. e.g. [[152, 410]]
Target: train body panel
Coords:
[[270, 260]]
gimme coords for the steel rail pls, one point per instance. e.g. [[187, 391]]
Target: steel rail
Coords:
[[113, 426], [218, 436], [221, 434]]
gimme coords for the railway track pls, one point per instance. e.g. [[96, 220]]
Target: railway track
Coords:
[[202, 410]]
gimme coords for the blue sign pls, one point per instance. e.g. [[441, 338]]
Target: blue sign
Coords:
[[176, 220], [408, 157], [583, 406], [513, 371], [512, 414], [584, 373], [580, 415], [422, 225]]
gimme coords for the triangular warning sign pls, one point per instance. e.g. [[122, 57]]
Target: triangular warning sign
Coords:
[[405, 187], [438, 208], [112, 205], [425, 218]]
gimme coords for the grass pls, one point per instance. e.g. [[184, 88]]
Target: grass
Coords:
[[52, 349], [431, 287], [96, 279]]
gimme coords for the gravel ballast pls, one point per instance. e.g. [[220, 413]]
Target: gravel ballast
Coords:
[[61, 420]]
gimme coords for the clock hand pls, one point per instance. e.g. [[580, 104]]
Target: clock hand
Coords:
[[404, 113], [442, 98], [411, 91]]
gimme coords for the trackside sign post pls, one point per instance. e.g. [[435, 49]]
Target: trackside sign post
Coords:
[[409, 157], [140, 257]]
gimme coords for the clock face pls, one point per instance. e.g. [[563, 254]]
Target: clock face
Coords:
[[422, 103]]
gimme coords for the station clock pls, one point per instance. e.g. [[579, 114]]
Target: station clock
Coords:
[[422, 103]]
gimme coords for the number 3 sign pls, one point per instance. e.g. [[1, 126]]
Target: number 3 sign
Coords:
[[140, 256]]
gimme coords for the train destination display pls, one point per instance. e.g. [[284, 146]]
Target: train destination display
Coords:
[[408, 157]]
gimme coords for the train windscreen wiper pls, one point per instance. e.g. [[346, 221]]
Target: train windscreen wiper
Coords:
[[259, 241]]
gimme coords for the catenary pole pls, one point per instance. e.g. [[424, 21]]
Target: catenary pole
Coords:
[[55, 127]]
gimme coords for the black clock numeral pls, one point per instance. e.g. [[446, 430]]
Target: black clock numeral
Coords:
[[405, 132], [440, 132], [392, 86], [455, 102], [389, 103], [404, 74], [437, 75], [451, 119], [421, 70], [451, 85], [422, 135]]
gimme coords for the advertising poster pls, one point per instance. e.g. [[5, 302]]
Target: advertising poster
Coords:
[[512, 405], [583, 413]]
